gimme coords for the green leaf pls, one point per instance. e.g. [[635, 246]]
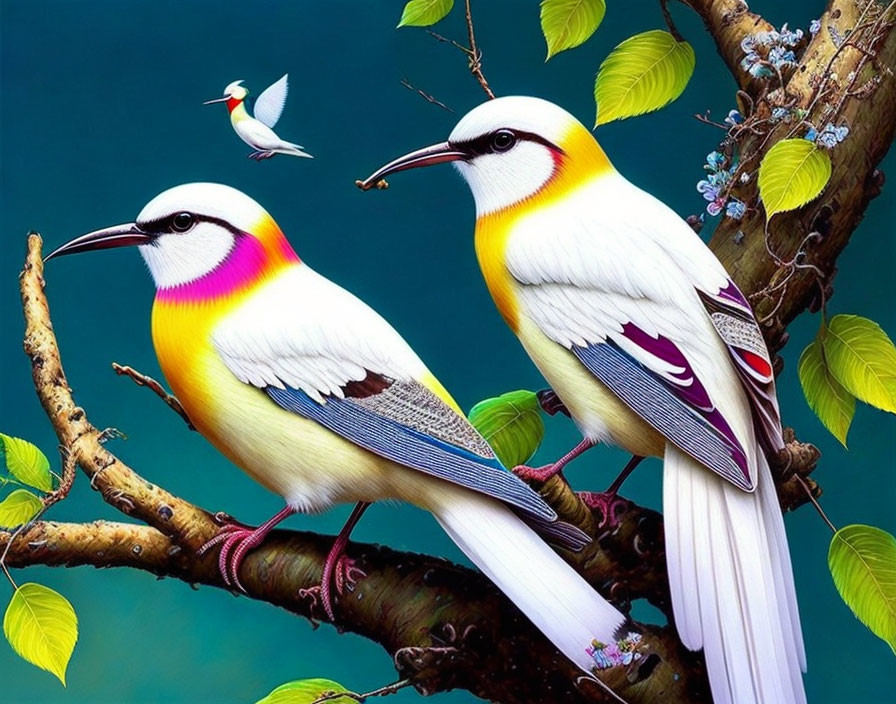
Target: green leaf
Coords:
[[18, 508], [792, 173], [833, 404], [862, 560], [422, 13], [27, 463], [863, 359], [512, 425], [41, 626], [568, 23], [644, 73], [304, 692]]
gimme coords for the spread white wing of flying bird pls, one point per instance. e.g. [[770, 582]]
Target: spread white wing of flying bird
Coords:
[[269, 105]]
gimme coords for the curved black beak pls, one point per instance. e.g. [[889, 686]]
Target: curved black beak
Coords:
[[107, 238], [435, 154]]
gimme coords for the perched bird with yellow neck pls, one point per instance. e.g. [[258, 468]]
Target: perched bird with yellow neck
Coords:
[[319, 399], [650, 345], [258, 131]]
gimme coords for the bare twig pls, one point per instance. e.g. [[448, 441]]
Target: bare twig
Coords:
[[673, 30], [380, 692], [815, 503], [426, 96], [154, 386], [475, 55], [69, 466]]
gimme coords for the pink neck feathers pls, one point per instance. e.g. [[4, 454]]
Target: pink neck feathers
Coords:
[[248, 262]]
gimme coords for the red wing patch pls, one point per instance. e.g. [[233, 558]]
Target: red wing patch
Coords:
[[757, 363]]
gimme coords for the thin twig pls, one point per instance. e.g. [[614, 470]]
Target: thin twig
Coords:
[[423, 94], [156, 387], [445, 40], [380, 692], [475, 56], [815, 503], [68, 478], [673, 30]]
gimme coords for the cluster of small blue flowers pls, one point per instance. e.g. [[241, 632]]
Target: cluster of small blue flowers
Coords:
[[713, 186], [621, 652], [765, 50], [830, 135]]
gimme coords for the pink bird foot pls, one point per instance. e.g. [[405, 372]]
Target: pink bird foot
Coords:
[[341, 573], [259, 155], [236, 540], [339, 569], [545, 472], [537, 474], [608, 502], [610, 505]]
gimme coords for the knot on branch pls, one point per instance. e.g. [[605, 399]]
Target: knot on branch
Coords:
[[791, 469]]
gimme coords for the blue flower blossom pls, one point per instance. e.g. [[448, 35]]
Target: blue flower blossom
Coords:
[[768, 38], [717, 178], [781, 57], [790, 38], [831, 136], [709, 191], [760, 70], [748, 44], [779, 114], [814, 27], [735, 209], [773, 47], [734, 118], [714, 161]]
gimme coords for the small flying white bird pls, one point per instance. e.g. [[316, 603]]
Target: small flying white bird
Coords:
[[258, 131]]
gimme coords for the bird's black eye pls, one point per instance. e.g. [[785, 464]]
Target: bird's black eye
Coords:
[[182, 222], [502, 140]]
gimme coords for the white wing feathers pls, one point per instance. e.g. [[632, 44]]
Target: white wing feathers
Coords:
[[579, 287], [303, 331], [269, 105]]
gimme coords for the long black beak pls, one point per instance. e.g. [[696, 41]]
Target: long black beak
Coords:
[[217, 100], [107, 238], [435, 154]]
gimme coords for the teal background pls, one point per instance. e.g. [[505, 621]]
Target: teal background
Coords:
[[101, 111]]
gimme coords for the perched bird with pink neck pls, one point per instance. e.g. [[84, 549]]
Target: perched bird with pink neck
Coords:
[[319, 399], [651, 346]]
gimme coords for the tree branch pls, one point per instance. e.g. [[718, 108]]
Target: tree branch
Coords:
[[728, 22], [154, 386]]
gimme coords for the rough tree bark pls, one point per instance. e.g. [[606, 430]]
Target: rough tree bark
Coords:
[[446, 626]]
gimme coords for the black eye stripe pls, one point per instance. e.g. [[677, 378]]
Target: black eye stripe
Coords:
[[161, 226], [483, 144]]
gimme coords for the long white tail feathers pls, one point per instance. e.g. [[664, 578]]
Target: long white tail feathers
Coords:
[[732, 583], [293, 150], [562, 605]]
